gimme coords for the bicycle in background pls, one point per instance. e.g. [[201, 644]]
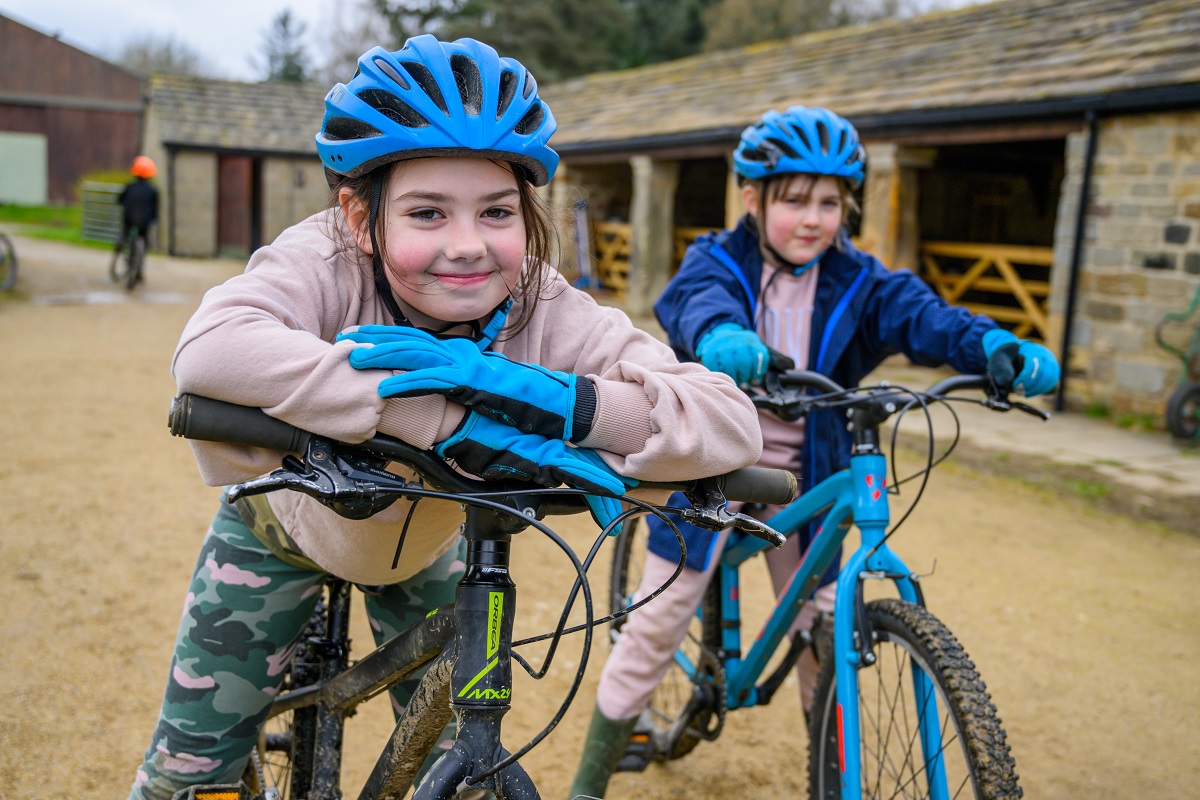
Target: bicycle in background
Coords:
[[466, 649], [8, 263], [900, 710], [1183, 406], [128, 262]]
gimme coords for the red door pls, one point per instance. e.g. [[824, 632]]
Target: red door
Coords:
[[235, 196]]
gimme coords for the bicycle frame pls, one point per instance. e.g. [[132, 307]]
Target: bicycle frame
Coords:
[[469, 645], [856, 495], [473, 674]]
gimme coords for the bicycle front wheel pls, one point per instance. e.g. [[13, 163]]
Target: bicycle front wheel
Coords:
[[1183, 411], [909, 645], [687, 704], [8, 263], [136, 259]]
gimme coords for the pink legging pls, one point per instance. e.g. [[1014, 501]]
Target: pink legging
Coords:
[[653, 633]]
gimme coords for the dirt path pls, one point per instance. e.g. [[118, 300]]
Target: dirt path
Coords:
[[1084, 625]]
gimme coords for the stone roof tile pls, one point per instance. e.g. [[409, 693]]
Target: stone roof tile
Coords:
[[1006, 52], [264, 117]]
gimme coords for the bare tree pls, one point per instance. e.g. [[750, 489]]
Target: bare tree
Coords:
[[284, 57], [149, 53], [351, 28]]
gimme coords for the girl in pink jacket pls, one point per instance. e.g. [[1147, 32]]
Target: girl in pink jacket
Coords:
[[421, 305]]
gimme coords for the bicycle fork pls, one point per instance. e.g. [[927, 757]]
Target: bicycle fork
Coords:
[[853, 639]]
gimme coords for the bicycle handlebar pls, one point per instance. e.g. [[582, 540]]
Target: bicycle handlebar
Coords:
[[781, 402], [203, 418]]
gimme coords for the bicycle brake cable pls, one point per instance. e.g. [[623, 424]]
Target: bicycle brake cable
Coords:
[[589, 625]]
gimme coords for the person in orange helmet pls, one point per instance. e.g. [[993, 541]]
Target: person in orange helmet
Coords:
[[139, 203]]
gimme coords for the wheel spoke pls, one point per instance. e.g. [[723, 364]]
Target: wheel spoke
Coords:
[[920, 672]]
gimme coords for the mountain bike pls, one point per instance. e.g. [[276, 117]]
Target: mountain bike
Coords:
[[8, 263], [466, 649], [1183, 406], [899, 709], [127, 263]]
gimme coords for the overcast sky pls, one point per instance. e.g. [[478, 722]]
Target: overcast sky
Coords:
[[224, 32]]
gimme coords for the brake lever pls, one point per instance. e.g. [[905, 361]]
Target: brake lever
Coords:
[[758, 529], [788, 410], [353, 487], [997, 400], [710, 510], [1032, 411]]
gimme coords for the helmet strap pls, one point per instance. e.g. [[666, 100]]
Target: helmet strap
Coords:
[[482, 335]]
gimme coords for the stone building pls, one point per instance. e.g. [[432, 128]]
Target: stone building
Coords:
[[981, 124], [237, 161]]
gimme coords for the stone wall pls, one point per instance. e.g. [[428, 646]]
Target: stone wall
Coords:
[[1141, 257], [292, 190], [193, 190]]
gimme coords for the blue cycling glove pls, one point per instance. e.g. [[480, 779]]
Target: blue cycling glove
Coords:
[[1015, 364], [495, 451], [737, 352], [528, 397]]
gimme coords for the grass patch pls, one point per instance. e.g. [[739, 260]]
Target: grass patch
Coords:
[[1088, 490], [56, 223], [1138, 422], [1108, 462]]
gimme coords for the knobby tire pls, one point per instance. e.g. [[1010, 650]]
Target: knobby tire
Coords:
[[8, 264], [136, 257], [974, 745], [1183, 411]]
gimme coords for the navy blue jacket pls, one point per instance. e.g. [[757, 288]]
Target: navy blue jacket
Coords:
[[863, 313]]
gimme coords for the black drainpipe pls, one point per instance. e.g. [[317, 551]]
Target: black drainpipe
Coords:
[[1076, 258], [170, 216]]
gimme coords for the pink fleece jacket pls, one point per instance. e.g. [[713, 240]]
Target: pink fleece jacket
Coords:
[[266, 338]]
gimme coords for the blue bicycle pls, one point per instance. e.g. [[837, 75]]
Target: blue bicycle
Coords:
[[899, 709]]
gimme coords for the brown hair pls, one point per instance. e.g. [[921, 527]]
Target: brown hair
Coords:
[[540, 234]]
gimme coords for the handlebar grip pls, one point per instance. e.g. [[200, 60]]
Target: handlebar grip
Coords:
[[761, 485], [195, 417]]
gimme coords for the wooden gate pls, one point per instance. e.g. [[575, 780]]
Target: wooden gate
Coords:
[[612, 247], [1009, 283]]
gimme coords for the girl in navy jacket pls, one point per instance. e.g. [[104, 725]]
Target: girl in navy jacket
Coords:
[[786, 276]]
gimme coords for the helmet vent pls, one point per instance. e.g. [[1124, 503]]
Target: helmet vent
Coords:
[[393, 108], [424, 78], [508, 90], [341, 129], [823, 134], [470, 85], [390, 71], [841, 142], [531, 121], [783, 146], [802, 136], [530, 86]]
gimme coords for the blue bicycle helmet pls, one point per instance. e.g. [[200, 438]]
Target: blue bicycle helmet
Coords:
[[437, 98], [809, 140]]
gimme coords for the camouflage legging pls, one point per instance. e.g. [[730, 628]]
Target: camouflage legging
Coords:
[[244, 610]]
